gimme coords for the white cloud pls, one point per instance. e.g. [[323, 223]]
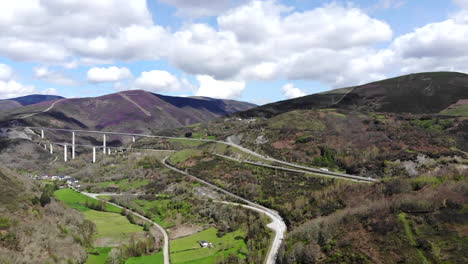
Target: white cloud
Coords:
[[264, 40], [6, 72], [110, 74], [437, 46], [200, 8], [289, 91], [210, 87], [54, 30], [11, 89], [49, 91], [51, 76], [158, 81]]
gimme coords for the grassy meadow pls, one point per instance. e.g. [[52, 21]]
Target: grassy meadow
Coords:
[[188, 250]]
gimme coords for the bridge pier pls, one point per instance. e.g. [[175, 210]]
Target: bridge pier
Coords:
[[42, 133], [108, 151], [51, 149], [104, 143], [45, 146], [73, 145], [65, 153], [94, 154], [133, 139]]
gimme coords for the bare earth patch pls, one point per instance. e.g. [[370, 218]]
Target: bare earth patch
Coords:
[[183, 231]]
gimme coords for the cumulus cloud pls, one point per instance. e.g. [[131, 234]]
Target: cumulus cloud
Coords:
[[110, 74], [51, 76], [264, 40], [289, 91], [437, 46], [158, 81], [49, 91], [54, 30], [11, 89], [210, 87], [253, 40], [6, 72], [200, 8]]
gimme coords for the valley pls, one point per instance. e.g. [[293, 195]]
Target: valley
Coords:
[[338, 177]]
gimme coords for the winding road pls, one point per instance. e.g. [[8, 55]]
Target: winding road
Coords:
[[276, 225], [166, 237], [45, 111]]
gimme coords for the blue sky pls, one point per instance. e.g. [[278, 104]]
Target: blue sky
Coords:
[[257, 51]]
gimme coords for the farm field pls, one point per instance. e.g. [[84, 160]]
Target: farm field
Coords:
[[79, 201], [111, 225], [188, 250], [112, 228], [98, 255], [150, 259]]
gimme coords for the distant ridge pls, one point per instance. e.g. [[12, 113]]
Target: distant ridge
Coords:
[[420, 93], [8, 104], [128, 111]]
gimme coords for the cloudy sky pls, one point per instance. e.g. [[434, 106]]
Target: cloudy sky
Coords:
[[258, 51]]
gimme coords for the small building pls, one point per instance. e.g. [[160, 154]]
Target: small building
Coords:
[[206, 244]]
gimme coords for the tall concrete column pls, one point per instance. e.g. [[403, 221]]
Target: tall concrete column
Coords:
[[104, 143], [45, 146], [94, 154], [51, 149], [42, 133], [133, 139], [108, 151], [65, 153], [73, 145]]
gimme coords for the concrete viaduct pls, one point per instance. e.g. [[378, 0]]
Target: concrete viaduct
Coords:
[[107, 150]]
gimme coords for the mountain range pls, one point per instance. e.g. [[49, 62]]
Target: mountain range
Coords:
[[9, 104], [130, 111]]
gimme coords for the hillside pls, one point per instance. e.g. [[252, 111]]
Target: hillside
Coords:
[[421, 93], [34, 228], [9, 104], [130, 111]]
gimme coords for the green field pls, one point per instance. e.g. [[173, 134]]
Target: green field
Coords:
[[98, 255], [157, 210], [111, 225], [78, 201], [188, 250], [183, 155], [150, 259], [456, 110]]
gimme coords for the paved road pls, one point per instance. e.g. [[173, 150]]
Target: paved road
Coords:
[[277, 223], [47, 110], [166, 237], [351, 178], [229, 143], [341, 175]]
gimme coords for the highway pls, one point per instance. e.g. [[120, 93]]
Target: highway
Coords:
[[166, 237], [229, 143], [289, 169], [276, 225]]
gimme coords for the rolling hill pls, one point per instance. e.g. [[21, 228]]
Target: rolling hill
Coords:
[[9, 104], [421, 93], [129, 111], [34, 229]]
